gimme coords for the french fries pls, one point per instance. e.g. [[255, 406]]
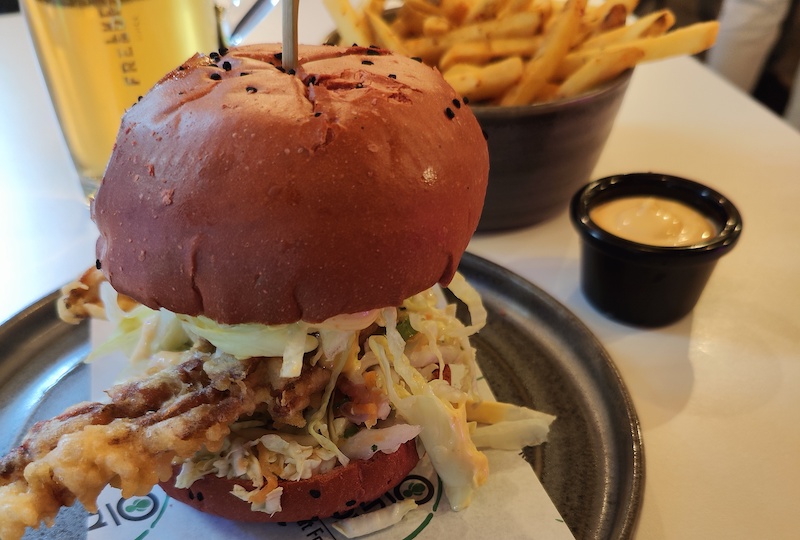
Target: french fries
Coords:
[[485, 82], [516, 52], [597, 70], [540, 69]]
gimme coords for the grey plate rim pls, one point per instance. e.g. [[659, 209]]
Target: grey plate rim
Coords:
[[38, 340], [621, 452]]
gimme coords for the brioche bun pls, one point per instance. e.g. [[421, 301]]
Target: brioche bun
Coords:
[[321, 496], [250, 195]]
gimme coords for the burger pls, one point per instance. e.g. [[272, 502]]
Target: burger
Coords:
[[274, 245]]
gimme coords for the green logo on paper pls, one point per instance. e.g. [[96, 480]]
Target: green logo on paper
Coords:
[[146, 511], [139, 506], [414, 489]]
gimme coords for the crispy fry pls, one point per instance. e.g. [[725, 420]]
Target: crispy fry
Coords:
[[566, 46], [424, 7], [687, 40], [598, 70], [601, 18], [436, 25], [430, 49], [347, 21], [373, 6], [383, 33], [481, 10], [482, 52], [481, 83], [548, 92], [455, 10], [651, 25], [599, 22], [514, 6], [615, 17], [545, 8], [411, 17], [541, 67]]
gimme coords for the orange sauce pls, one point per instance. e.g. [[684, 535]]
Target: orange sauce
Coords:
[[654, 221]]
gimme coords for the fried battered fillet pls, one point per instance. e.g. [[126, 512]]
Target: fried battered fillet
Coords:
[[130, 442], [81, 298]]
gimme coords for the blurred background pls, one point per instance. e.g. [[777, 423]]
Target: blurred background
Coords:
[[758, 48]]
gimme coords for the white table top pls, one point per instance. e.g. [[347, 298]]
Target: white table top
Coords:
[[718, 393]]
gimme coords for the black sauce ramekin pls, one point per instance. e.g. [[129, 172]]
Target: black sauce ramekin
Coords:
[[641, 284]]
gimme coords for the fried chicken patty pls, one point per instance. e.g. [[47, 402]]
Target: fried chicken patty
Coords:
[[132, 441]]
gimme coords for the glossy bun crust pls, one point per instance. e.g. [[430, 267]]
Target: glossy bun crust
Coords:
[[323, 495], [247, 194]]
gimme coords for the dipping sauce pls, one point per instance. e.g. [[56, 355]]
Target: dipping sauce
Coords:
[[655, 221]]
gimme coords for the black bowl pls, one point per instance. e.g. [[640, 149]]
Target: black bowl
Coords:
[[643, 284], [540, 154]]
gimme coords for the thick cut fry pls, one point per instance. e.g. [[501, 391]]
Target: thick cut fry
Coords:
[[383, 33], [545, 8], [514, 6], [481, 10], [455, 10], [424, 7], [687, 40], [541, 67], [436, 25], [599, 12], [566, 46], [373, 6], [411, 16], [615, 17], [599, 22], [599, 70], [484, 83], [651, 25], [482, 52], [430, 49], [347, 22], [547, 93]]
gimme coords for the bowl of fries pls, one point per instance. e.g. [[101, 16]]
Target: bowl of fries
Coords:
[[540, 154], [545, 79]]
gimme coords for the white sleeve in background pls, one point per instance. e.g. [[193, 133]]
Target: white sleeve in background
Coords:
[[792, 112], [748, 30]]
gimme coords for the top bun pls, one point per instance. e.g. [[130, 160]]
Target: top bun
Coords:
[[248, 194]]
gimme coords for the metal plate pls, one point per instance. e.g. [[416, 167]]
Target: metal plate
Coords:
[[533, 352]]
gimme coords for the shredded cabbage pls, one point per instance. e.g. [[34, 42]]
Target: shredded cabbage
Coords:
[[317, 424], [510, 427], [467, 294], [492, 412], [445, 433], [285, 457], [422, 362], [139, 333], [251, 339], [511, 435], [367, 442], [270, 504]]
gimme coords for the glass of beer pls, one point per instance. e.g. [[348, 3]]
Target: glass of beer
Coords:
[[99, 56]]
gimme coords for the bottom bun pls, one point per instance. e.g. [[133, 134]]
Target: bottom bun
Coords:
[[320, 496]]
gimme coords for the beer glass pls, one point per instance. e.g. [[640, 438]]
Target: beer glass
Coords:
[[99, 56]]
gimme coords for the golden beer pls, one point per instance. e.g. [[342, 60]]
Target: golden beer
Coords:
[[99, 56]]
